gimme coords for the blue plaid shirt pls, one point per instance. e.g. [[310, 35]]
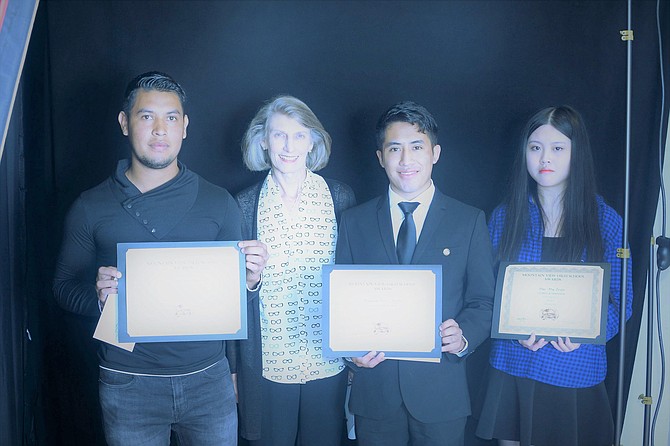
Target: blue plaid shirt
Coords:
[[587, 365]]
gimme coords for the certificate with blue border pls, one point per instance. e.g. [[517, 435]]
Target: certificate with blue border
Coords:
[[181, 291], [395, 309], [552, 300]]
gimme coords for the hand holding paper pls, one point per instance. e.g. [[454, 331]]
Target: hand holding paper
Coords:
[[255, 257], [532, 343], [370, 360], [452, 336], [106, 283], [566, 346]]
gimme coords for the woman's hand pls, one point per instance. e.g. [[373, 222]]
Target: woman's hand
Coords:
[[256, 256], [532, 344], [566, 346]]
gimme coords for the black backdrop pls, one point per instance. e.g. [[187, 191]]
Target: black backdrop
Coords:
[[481, 67]]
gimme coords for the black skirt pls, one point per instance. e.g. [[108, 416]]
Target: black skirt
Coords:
[[539, 414]]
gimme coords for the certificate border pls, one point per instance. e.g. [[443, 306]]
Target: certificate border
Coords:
[[604, 300], [328, 352], [124, 336]]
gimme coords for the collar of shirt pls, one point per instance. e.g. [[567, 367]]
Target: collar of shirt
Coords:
[[161, 209], [397, 216]]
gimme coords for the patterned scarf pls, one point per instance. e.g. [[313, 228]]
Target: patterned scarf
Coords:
[[300, 239]]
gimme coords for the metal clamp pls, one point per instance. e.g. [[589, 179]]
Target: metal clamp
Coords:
[[646, 400], [627, 34]]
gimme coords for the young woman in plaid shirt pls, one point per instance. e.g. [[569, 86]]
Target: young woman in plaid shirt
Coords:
[[544, 393]]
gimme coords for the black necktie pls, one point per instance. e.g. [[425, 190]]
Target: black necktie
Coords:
[[407, 234]]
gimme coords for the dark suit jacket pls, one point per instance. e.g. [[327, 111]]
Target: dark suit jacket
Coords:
[[431, 392]]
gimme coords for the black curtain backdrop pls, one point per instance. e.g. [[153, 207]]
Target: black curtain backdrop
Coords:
[[12, 285], [481, 67]]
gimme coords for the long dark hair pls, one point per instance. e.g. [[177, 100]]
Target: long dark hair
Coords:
[[579, 223]]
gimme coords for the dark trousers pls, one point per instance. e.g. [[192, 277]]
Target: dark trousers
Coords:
[[311, 413], [401, 429]]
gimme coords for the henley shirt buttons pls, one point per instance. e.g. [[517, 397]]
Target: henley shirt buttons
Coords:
[[129, 206], [137, 214], [145, 221], [153, 230]]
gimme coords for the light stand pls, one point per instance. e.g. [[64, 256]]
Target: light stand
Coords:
[[662, 262], [626, 35]]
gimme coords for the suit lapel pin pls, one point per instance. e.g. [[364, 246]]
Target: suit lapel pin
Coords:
[[446, 251]]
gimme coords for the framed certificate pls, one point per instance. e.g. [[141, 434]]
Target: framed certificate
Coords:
[[552, 300], [395, 309], [182, 291]]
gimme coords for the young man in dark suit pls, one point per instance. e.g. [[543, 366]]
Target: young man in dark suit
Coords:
[[401, 402]]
